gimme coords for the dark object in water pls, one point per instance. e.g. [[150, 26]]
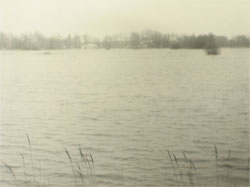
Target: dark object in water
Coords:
[[211, 45], [47, 53], [212, 51]]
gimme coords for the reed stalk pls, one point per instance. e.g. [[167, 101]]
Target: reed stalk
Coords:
[[178, 168], [31, 158], [80, 173], [11, 171], [173, 166], [216, 165], [24, 168], [72, 166], [185, 157], [93, 167]]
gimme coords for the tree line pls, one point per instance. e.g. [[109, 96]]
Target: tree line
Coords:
[[145, 39]]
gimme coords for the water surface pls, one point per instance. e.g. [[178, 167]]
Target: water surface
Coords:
[[127, 108]]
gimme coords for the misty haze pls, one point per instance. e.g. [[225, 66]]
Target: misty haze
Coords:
[[124, 93]]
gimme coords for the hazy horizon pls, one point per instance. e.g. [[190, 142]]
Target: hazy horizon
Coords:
[[98, 18]]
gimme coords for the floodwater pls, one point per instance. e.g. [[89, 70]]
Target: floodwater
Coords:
[[127, 108]]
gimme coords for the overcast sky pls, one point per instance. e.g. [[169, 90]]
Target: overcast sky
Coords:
[[101, 17]]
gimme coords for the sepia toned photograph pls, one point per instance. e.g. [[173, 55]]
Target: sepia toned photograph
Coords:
[[124, 93]]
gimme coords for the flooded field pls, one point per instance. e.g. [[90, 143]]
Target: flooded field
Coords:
[[141, 114]]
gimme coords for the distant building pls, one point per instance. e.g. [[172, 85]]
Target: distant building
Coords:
[[89, 46]]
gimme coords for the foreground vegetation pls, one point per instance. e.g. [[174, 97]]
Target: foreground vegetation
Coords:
[[184, 171], [145, 39]]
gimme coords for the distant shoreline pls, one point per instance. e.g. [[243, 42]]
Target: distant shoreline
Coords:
[[135, 40], [82, 49]]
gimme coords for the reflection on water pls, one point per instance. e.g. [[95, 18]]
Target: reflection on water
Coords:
[[127, 108]]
